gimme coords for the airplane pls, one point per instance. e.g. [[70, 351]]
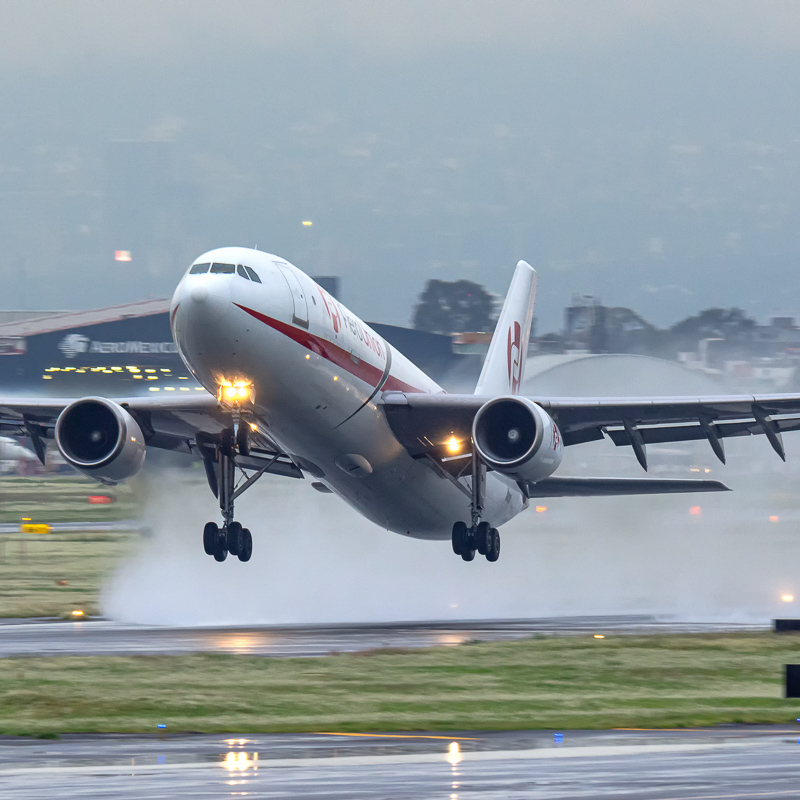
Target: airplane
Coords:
[[297, 385], [11, 454]]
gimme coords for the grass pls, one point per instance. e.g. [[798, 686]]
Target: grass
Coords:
[[52, 574], [559, 682], [57, 498], [49, 575]]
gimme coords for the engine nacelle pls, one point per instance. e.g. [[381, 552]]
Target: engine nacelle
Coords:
[[101, 439], [517, 437]]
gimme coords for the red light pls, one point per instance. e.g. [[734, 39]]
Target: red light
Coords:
[[122, 255], [100, 499], [695, 511]]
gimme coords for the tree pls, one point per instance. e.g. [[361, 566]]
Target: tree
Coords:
[[713, 323], [455, 307]]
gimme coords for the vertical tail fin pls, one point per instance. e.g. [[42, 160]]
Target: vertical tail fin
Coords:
[[503, 369]]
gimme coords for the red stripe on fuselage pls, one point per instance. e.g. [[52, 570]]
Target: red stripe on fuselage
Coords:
[[333, 353]]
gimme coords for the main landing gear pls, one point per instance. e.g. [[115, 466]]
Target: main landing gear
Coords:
[[221, 473], [480, 536]]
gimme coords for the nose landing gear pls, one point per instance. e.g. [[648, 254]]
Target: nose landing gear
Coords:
[[231, 537]]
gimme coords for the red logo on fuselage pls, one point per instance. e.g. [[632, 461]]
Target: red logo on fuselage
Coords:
[[332, 309], [514, 356]]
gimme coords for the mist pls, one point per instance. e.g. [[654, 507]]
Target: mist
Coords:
[[317, 561]]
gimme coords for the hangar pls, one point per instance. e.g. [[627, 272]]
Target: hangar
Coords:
[[128, 350]]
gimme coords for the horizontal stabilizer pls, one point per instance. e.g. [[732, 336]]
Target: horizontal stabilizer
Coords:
[[600, 487]]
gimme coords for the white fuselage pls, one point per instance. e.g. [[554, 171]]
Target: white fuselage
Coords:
[[317, 373]]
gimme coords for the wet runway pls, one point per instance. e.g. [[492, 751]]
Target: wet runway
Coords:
[[23, 638], [663, 765]]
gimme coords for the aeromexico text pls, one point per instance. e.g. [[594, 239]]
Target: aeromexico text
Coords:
[[77, 344], [132, 347]]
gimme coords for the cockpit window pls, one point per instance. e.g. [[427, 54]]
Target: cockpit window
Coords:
[[240, 270], [199, 269], [253, 275], [224, 269]]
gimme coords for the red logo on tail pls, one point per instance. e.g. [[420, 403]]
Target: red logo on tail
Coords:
[[514, 356]]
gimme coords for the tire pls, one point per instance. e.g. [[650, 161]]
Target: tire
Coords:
[[493, 553], [243, 439], [459, 537], [468, 553], [234, 538], [483, 537], [245, 545], [220, 554], [210, 538]]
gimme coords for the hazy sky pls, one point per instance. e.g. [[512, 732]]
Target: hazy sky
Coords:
[[648, 152]]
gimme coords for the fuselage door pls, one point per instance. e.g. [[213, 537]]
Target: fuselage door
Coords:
[[300, 310]]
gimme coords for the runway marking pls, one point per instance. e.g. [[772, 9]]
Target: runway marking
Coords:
[[400, 736]]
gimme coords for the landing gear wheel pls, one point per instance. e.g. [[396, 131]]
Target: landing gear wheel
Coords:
[[459, 537], [221, 546], [234, 538], [210, 534], [483, 537], [493, 553], [245, 545], [468, 551], [243, 439]]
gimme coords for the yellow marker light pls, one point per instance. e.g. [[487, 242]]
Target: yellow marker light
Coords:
[[307, 223], [787, 598], [47, 377], [253, 426], [155, 388], [26, 519], [307, 357], [169, 388], [30, 527], [599, 636], [453, 445], [541, 509], [77, 613]]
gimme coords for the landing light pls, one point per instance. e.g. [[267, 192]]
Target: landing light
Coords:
[[453, 445], [236, 392], [77, 613], [541, 509], [787, 598]]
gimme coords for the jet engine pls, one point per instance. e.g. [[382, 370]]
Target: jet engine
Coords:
[[517, 437], [100, 439]]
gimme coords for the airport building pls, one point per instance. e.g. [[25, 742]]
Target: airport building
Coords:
[[128, 350]]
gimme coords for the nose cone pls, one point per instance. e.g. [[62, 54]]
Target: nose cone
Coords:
[[202, 314]]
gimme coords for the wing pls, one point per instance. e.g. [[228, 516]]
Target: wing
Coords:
[[424, 422], [180, 424]]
